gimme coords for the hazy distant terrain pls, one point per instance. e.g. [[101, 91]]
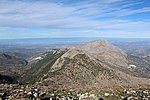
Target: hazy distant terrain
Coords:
[[29, 46]]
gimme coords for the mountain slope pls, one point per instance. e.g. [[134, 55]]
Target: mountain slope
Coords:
[[7, 79], [11, 64], [80, 70], [105, 51], [39, 68], [93, 64]]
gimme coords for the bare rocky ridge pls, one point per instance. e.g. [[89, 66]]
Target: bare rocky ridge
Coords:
[[93, 64]]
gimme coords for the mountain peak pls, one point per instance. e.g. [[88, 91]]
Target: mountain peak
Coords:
[[105, 52], [96, 46], [99, 42]]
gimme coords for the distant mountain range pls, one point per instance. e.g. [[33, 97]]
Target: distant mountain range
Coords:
[[64, 41]]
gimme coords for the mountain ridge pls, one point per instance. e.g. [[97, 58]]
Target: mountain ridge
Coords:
[[93, 64]]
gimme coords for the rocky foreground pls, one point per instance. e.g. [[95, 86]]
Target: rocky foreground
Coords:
[[30, 92]]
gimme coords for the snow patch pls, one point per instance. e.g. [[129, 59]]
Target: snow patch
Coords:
[[131, 66]]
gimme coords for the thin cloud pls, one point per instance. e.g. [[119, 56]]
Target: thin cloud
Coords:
[[94, 15]]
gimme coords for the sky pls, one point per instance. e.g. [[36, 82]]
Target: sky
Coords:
[[74, 18]]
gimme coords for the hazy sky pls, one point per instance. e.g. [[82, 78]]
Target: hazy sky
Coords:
[[74, 18]]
